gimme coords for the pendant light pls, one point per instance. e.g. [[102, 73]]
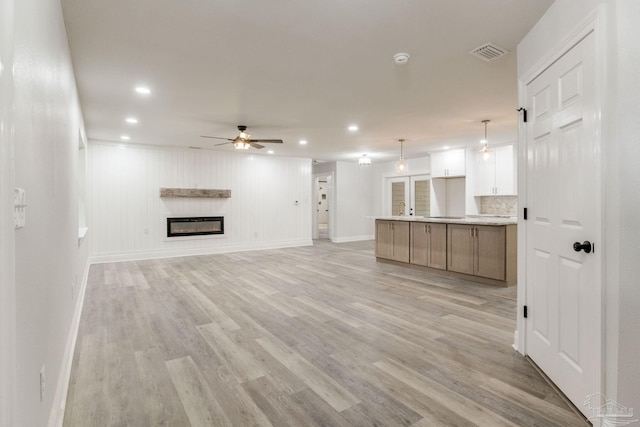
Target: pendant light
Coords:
[[402, 168], [485, 142]]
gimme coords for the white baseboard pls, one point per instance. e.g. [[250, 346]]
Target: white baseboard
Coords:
[[56, 418], [180, 252], [352, 239]]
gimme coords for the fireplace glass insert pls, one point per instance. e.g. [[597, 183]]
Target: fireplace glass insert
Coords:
[[195, 226]]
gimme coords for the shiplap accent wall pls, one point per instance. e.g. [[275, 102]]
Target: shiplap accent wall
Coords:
[[128, 217]]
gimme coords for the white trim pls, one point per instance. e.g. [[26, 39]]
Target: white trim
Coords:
[[179, 252], [352, 239], [56, 418]]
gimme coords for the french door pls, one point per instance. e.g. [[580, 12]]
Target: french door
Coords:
[[407, 195]]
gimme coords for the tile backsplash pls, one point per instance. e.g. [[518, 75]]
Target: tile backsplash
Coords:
[[499, 205]]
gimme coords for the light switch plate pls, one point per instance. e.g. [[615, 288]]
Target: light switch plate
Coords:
[[20, 208]]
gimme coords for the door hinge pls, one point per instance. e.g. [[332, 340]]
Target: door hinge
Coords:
[[525, 213], [524, 113], [525, 311]]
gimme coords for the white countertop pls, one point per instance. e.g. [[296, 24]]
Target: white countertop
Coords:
[[478, 220]]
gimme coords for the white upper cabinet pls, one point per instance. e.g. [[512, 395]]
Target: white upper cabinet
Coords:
[[495, 172], [446, 164]]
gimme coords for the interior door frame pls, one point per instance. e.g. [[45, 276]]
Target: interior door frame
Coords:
[[330, 204], [595, 23]]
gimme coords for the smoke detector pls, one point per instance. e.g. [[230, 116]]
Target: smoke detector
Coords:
[[401, 58]]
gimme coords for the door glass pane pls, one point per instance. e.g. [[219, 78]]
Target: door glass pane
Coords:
[[421, 189], [397, 196]]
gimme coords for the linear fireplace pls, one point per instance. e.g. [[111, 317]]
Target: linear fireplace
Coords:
[[195, 226]]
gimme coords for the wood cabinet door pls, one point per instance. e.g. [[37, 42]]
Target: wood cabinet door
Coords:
[[437, 254], [419, 243], [448, 163], [460, 248], [485, 173], [384, 239], [456, 163], [505, 177], [400, 231], [438, 165], [490, 251]]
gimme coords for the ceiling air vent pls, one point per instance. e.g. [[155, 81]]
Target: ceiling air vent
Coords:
[[489, 51]]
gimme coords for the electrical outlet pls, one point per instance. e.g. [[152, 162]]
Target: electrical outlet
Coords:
[[42, 384]]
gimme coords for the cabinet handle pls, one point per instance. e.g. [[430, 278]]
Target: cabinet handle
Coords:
[[429, 229], [425, 228], [471, 232]]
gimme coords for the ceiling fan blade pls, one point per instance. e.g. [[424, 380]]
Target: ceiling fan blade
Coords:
[[271, 141], [215, 137], [254, 145], [224, 143]]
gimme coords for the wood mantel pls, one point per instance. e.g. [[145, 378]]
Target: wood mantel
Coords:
[[195, 192]]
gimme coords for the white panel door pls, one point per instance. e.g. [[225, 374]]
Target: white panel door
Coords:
[[563, 200], [420, 197], [397, 196]]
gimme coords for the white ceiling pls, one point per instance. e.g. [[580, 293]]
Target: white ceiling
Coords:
[[296, 69]]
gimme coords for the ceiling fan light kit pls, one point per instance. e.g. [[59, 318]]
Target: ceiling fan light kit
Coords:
[[243, 141]]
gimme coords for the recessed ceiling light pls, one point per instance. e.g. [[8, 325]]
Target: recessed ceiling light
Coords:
[[270, 152], [446, 147], [143, 90], [131, 120], [353, 128], [303, 142], [125, 137]]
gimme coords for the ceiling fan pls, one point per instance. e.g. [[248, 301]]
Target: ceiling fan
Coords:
[[243, 141]]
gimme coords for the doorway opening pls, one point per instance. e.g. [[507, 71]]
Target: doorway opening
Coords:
[[323, 196]]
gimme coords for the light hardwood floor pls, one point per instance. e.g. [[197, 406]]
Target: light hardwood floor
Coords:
[[310, 336]]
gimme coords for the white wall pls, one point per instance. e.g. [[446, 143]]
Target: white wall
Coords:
[[354, 202], [128, 217], [41, 156], [621, 176], [7, 235]]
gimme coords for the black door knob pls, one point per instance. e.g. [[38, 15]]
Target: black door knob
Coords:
[[585, 246]]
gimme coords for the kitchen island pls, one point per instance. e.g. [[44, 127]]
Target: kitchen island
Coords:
[[479, 248]]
